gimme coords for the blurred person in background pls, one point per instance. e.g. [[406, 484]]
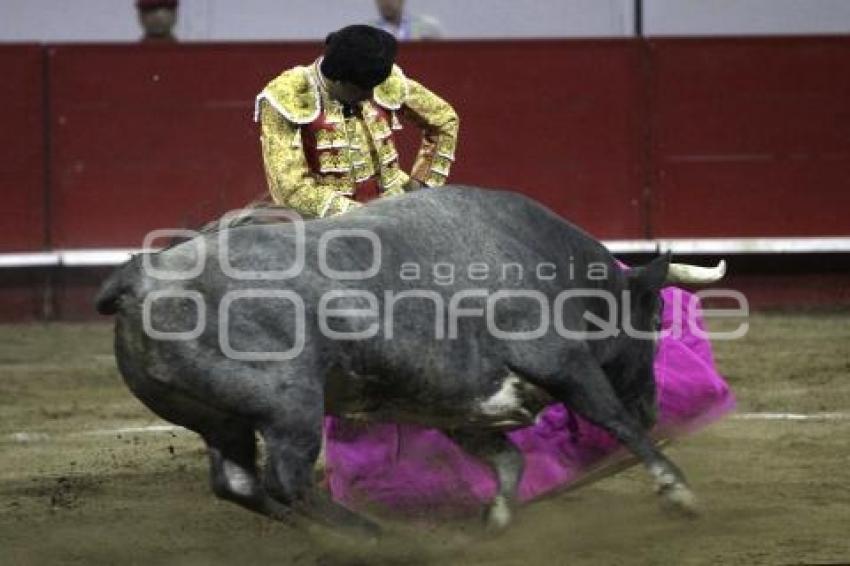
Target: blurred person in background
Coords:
[[327, 127], [403, 25], [158, 19]]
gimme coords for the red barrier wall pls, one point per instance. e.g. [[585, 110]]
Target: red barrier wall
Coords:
[[154, 136], [630, 139], [750, 137], [22, 170], [22, 165], [558, 120], [696, 137], [162, 136]]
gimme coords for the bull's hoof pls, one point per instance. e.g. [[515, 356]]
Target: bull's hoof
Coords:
[[361, 530], [325, 511], [498, 515], [369, 531], [320, 472], [361, 534], [678, 499]]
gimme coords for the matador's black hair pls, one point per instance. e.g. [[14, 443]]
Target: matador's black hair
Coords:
[[359, 54]]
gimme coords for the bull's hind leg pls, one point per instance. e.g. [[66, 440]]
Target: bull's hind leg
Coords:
[[506, 461], [584, 387]]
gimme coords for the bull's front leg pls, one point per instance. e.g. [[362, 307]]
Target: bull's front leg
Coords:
[[293, 440], [232, 451], [584, 388], [507, 463]]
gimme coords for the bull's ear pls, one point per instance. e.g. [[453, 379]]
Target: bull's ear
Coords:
[[652, 276]]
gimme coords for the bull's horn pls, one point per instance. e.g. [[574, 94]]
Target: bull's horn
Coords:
[[682, 273]]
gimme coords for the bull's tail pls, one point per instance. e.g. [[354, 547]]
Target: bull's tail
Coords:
[[122, 282]]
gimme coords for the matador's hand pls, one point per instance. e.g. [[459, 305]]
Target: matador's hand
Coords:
[[414, 185]]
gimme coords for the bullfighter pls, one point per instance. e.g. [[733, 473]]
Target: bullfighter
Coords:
[[327, 128]]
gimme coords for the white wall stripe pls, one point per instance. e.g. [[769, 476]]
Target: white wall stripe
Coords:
[[695, 246]]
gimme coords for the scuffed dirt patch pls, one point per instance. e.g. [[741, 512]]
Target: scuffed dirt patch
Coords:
[[771, 492]]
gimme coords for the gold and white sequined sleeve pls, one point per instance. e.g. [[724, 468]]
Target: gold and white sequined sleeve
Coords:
[[289, 178], [439, 124]]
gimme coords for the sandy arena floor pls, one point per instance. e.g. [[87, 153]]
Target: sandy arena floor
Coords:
[[772, 491]]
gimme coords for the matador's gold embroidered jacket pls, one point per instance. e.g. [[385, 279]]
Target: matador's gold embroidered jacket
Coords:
[[320, 162]]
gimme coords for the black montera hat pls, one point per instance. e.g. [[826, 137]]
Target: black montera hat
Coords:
[[359, 54]]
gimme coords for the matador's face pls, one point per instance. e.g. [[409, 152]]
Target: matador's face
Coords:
[[348, 93]]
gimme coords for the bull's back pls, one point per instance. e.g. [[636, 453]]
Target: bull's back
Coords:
[[458, 223]]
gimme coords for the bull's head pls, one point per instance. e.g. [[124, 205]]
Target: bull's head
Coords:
[[633, 372]]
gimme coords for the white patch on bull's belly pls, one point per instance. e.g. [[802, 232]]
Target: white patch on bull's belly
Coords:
[[506, 403], [515, 404]]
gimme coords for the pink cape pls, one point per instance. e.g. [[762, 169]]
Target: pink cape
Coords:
[[409, 468]]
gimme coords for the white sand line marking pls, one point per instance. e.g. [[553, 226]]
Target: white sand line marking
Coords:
[[134, 430], [27, 437], [31, 436], [758, 416], [767, 416]]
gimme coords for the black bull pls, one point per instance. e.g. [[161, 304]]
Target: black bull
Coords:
[[467, 315]]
